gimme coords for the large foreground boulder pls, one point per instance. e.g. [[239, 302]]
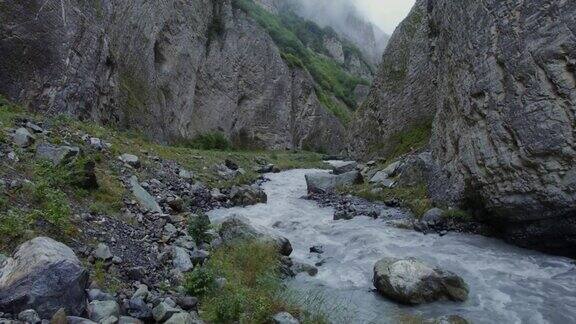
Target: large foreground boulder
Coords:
[[322, 182], [237, 228], [43, 275], [247, 195], [414, 282]]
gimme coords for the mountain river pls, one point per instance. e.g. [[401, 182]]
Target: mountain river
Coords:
[[507, 284]]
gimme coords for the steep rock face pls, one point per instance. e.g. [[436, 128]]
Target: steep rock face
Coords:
[[403, 94], [499, 78], [174, 69]]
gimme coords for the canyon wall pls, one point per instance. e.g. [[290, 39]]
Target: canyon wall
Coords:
[[498, 80], [172, 69]]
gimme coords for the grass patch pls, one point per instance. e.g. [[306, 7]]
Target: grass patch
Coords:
[[14, 226], [107, 199], [406, 141], [208, 141], [457, 215], [415, 198], [253, 292], [104, 279]]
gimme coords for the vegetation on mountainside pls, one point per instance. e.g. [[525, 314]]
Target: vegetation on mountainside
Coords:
[[301, 43], [395, 68], [252, 291], [410, 139]]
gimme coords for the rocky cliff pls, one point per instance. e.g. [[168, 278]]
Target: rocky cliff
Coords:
[[498, 79], [173, 69]]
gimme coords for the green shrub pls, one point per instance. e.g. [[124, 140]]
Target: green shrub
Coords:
[[199, 282], [208, 141], [198, 226], [413, 138], [457, 215], [253, 292]]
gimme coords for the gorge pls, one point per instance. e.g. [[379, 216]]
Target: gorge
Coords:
[[167, 162]]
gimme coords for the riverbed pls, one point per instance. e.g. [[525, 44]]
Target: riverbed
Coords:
[[507, 284]]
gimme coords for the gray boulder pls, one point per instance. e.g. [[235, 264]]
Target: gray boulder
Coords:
[[433, 217], [43, 275], [181, 259], [164, 310], [129, 320], [79, 320], [130, 159], [392, 169], [137, 307], [237, 228], [56, 154], [414, 282], [97, 294], [96, 143], [284, 318], [381, 178], [23, 138], [344, 167], [29, 316], [99, 310], [322, 182], [145, 199], [224, 172], [247, 195], [102, 252], [34, 128], [180, 318], [298, 267]]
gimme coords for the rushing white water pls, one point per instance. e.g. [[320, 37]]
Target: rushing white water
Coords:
[[507, 284]]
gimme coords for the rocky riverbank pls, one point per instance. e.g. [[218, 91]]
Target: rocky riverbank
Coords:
[[389, 191], [112, 225]]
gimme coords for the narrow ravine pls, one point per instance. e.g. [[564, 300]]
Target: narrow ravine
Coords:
[[507, 284]]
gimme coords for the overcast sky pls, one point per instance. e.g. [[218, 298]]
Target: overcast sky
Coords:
[[386, 14]]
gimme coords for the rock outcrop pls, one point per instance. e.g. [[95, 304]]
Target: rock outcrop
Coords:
[[43, 275], [172, 69], [498, 79]]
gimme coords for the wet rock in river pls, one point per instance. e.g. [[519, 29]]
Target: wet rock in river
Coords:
[[237, 228], [414, 282], [247, 195], [322, 182]]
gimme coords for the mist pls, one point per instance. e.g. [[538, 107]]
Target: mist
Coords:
[[385, 14], [366, 23]]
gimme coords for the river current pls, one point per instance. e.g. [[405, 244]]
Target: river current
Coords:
[[507, 284]]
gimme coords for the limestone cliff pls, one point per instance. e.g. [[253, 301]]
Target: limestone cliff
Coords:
[[173, 69], [499, 80]]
